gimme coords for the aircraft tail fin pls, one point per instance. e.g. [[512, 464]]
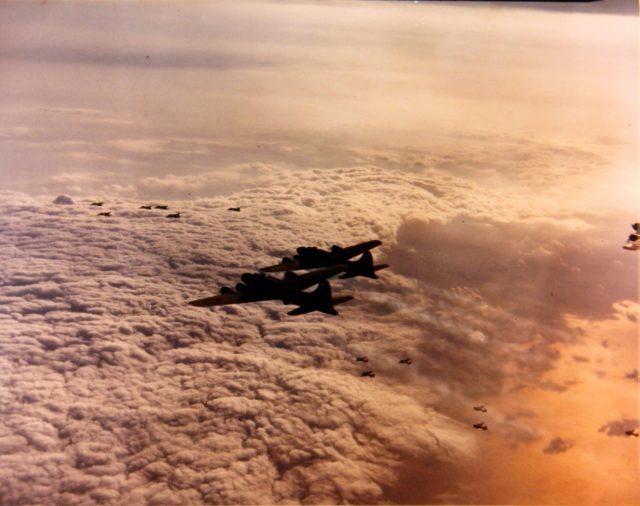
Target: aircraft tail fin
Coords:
[[363, 267], [321, 300]]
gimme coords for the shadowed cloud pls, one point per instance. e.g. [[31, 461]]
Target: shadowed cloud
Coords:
[[617, 428], [557, 445]]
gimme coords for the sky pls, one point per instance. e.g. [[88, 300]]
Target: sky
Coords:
[[493, 150]]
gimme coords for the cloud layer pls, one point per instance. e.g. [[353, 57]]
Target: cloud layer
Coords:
[[115, 389]]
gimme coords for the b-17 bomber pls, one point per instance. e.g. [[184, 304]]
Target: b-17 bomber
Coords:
[[289, 290], [314, 258]]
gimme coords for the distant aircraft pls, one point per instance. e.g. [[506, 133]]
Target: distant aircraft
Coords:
[[480, 408], [260, 287], [633, 241], [312, 258], [370, 374], [145, 207], [236, 209], [174, 215], [632, 432], [163, 207], [105, 214], [362, 359], [480, 425], [97, 204], [405, 361]]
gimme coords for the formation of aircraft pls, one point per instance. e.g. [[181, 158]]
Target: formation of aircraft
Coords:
[[633, 241], [372, 374], [258, 287]]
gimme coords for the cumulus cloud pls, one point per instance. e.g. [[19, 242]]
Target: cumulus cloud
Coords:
[[541, 268], [63, 200], [557, 445], [633, 375]]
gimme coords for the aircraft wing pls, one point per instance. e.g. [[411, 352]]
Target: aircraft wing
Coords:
[[303, 281], [281, 267], [218, 300], [356, 249]]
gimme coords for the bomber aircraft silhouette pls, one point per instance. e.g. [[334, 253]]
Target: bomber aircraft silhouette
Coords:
[[99, 204], [480, 425], [236, 209], [362, 359], [480, 408], [173, 215], [632, 432], [145, 207], [105, 214], [312, 258], [369, 374], [633, 241], [261, 287], [163, 207], [405, 361]]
